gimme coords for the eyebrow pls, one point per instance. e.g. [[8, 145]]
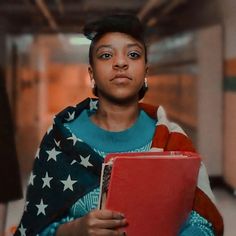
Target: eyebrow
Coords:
[[104, 46], [135, 45], [110, 46]]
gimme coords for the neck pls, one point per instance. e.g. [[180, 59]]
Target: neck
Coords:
[[115, 117]]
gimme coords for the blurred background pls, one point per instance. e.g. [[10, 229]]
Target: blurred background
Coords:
[[192, 57]]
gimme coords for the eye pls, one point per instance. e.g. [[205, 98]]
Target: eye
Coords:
[[134, 55], [105, 56]]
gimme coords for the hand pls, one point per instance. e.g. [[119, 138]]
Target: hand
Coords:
[[96, 223]]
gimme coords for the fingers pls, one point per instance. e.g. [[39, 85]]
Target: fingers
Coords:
[[107, 214], [107, 221], [111, 224], [107, 232]]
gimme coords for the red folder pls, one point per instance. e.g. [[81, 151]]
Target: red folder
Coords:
[[155, 191]]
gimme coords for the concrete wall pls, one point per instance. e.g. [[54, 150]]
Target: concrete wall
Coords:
[[43, 88], [187, 81], [229, 17], [210, 97]]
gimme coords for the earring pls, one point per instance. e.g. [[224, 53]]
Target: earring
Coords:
[[145, 83], [93, 85]]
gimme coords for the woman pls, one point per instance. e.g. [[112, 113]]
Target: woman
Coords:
[[64, 184]]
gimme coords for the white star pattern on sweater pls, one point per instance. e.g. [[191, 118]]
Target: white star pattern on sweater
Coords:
[[85, 161], [52, 154], [46, 180], [68, 183], [41, 207]]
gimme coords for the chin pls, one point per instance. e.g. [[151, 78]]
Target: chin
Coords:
[[120, 98]]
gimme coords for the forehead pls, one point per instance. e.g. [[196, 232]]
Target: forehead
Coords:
[[116, 38]]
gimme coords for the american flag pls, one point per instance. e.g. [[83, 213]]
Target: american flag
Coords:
[[65, 169]]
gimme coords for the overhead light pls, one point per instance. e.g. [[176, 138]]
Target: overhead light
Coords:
[[79, 40]]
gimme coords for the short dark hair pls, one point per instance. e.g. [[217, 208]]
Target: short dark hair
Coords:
[[123, 23]]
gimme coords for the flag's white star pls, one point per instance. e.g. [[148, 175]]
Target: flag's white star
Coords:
[[41, 207], [52, 154], [46, 180], [73, 138], [31, 178], [71, 116], [93, 105], [22, 230], [57, 142], [37, 154], [49, 129], [68, 183], [85, 161], [26, 204], [80, 140], [73, 162]]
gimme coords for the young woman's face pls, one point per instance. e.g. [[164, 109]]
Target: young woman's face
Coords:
[[119, 67]]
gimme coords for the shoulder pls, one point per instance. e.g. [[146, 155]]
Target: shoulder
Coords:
[[159, 114]]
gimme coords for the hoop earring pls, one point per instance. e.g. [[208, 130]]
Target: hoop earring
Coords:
[[145, 83]]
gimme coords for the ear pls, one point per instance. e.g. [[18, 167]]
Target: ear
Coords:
[[146, 70], [90, 71]]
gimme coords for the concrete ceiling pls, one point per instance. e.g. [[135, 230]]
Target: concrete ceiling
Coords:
[[162, 17]]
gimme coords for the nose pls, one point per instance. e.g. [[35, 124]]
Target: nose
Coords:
[[120, 62]]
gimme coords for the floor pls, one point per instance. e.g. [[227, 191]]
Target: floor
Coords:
[[226, 203]]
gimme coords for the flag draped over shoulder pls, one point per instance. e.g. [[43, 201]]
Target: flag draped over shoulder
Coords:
[[66, 168], [170, 137]]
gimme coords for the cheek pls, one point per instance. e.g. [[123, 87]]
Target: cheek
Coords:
[[139, 70], [101, 75], [101, 68]]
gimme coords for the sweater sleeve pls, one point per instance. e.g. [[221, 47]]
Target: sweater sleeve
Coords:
[[52, 228], [196, 225]]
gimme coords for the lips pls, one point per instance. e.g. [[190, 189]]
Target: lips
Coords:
[[121, 76]]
